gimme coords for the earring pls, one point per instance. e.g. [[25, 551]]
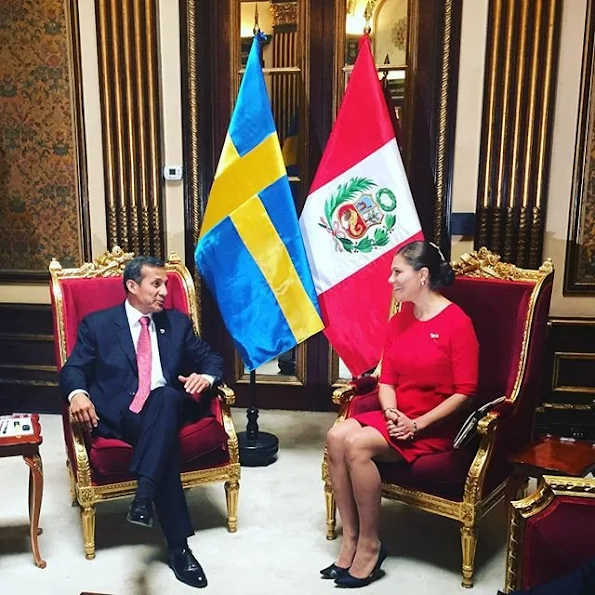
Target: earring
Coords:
[[422, 282]]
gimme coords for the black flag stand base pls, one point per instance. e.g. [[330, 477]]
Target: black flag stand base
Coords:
[[257, 449]]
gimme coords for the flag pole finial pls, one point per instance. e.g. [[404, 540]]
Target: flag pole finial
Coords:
[[367, 17], [385, 73], [256, 29]]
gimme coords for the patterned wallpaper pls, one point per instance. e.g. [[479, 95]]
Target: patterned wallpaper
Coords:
[[39, 213], [586, 257]]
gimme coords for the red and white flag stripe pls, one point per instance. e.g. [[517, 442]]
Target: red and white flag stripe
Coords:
[[359, 211]]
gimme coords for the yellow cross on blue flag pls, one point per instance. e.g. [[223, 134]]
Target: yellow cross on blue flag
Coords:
[[250, 251]]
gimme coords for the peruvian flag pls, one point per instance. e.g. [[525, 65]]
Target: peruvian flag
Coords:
[[358, 213]]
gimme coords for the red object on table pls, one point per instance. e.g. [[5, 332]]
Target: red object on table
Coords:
[[27, 446]]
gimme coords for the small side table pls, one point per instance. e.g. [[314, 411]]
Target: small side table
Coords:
[[27, 446], [555, 456]]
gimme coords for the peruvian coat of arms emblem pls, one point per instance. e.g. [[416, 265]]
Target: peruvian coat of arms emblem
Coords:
[[359, 215]]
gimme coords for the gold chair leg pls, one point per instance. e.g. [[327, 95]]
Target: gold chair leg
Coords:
[[232, 489], [88, 522], [331, 511], [468, 543]]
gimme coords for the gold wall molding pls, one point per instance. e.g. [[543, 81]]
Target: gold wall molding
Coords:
[[127, 39], [519, 95]]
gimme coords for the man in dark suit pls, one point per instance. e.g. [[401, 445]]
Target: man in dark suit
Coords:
[[137, 373]]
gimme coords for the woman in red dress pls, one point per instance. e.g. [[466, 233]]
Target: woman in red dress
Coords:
[[429, 371]]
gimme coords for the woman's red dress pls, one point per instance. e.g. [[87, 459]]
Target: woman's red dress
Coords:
[[427, 362]]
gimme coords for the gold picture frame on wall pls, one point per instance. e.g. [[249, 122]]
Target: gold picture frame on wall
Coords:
[[44, 210], [579, 277]]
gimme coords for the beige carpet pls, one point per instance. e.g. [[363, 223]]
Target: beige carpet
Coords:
[[278, 549]]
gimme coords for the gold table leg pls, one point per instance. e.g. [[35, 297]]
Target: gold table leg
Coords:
[[35, 494]]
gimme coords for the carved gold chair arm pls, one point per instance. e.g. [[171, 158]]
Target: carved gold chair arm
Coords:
[[486, 428], [343, 394], [358, 386], [487, 424], [83, 465], [226, 394]]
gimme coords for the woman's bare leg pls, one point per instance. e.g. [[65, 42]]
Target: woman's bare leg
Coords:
[[360, 449], [339, 473]]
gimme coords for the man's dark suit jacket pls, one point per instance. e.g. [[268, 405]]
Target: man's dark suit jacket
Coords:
[[103, 361]]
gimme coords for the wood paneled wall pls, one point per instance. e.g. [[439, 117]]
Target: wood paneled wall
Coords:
[[568, 406], [127, 39], [519, 99], [28, 380]]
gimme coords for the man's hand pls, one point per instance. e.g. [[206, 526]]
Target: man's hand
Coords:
[[83, 411], [195, 383]]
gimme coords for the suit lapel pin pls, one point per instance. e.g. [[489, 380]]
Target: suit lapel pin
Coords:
[[162, 331]]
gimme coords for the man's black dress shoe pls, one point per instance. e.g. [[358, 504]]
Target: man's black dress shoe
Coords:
[[351, 582], [186, 568], [333, 571], [141, 512]]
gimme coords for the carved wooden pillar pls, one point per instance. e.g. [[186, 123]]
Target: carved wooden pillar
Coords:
[[284, 86], [519, 94], [127, 39]]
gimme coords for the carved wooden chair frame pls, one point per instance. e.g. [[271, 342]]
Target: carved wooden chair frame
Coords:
[[548, 488], [472, 508], [83, 492]]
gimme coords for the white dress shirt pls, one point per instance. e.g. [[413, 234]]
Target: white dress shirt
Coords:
[[157, 378], [134, 316]]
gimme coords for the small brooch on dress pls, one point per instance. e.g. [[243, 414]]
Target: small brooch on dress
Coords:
[[434, 336]]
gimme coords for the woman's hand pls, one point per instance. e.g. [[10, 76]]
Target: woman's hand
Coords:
[[403, 428], [391, 417]]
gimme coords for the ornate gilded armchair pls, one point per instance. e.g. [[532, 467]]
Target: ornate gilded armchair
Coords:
[[509, 308], [98, 467], [551, 533]]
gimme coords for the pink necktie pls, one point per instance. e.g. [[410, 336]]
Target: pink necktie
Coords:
[[143, 362]]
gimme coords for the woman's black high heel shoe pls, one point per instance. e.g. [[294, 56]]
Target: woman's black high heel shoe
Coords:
[[351, 582], [333, 571]]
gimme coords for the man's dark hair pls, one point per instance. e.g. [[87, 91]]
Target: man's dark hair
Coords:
[[134, 269]]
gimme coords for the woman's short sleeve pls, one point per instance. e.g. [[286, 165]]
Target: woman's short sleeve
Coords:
[[388, 372]]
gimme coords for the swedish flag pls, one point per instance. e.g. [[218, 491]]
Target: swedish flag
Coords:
[[250, 251]]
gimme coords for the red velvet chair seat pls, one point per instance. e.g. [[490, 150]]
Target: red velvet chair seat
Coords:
[[441, 474], [110, 456]]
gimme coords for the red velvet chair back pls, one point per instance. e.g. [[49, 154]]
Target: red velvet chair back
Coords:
[[82, 296], [75, 294], [558, 540], [551, 533], [510, 320], [498, 309]]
